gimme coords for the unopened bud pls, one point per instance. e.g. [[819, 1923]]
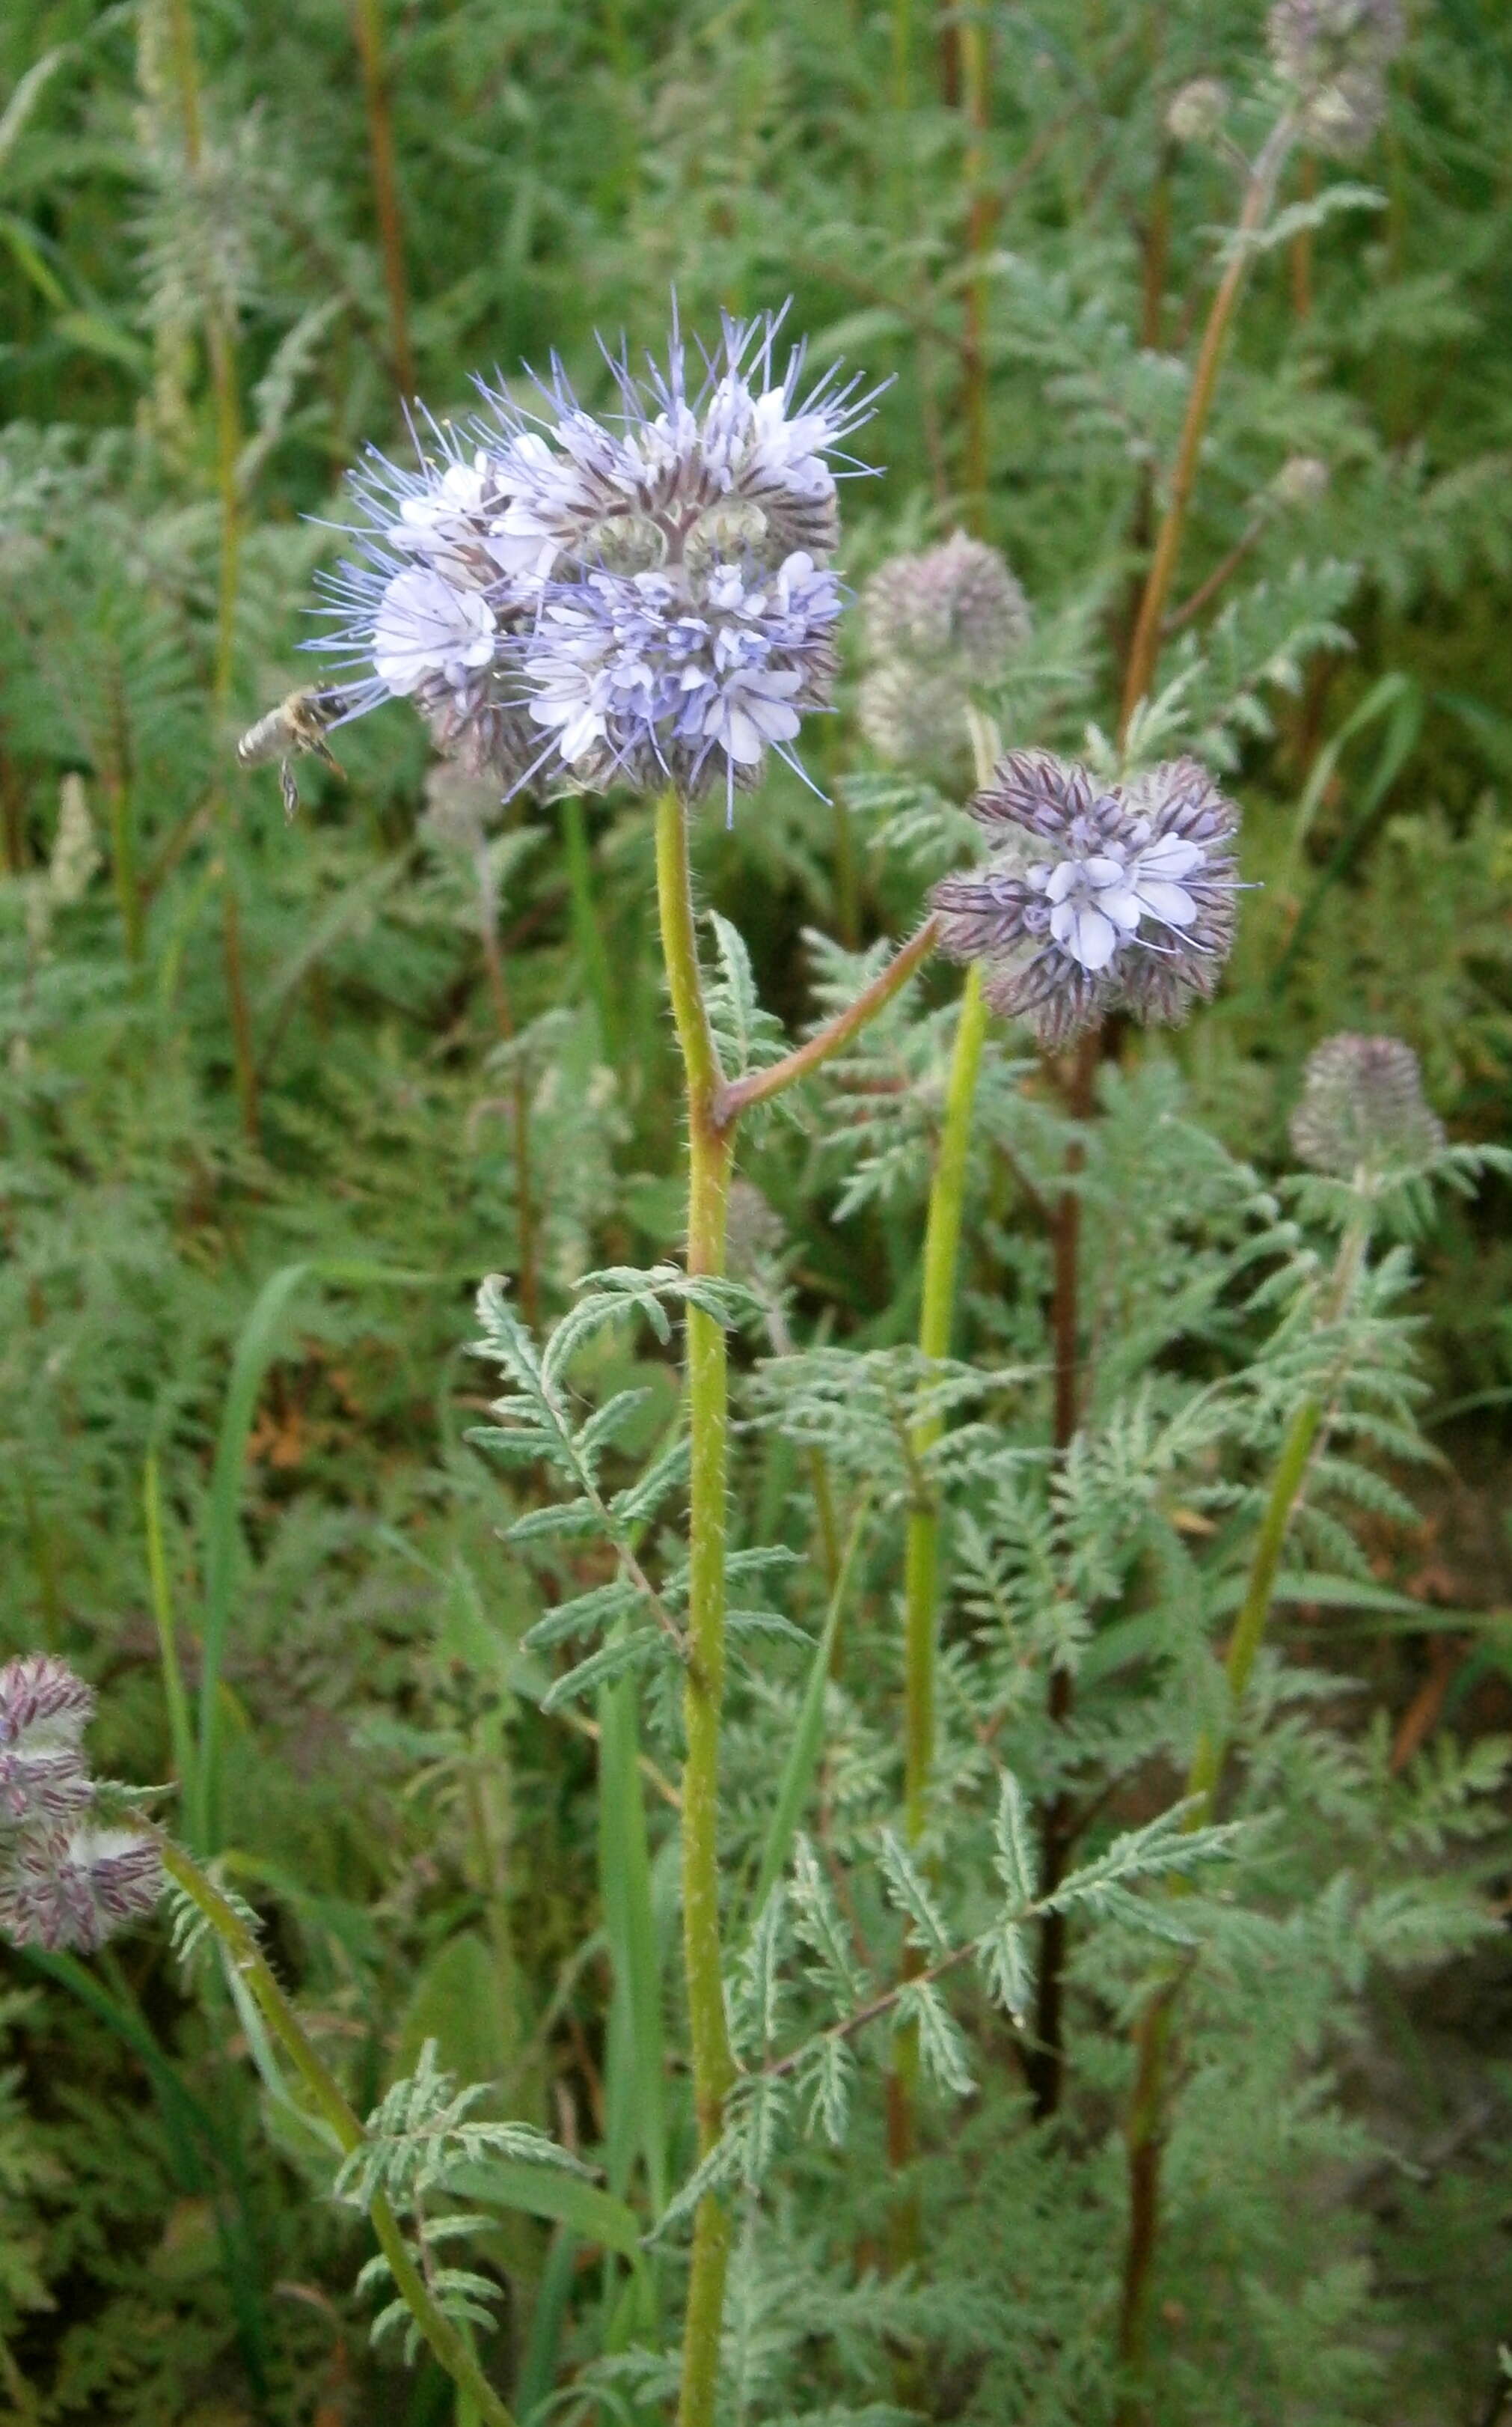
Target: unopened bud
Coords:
[[956, 608], [1362, 1109]]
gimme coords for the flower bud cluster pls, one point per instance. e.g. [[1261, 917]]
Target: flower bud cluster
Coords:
[[935, 625], [1362, 1109], [1334, 55], [643, 598], [65, 1880], [1096, 900]]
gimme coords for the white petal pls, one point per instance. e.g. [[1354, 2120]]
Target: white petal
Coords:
[[1102, 870], [1086, 933], [1122, 904], [1171, 856], [1171, 902], [743, 742], [582, 736]]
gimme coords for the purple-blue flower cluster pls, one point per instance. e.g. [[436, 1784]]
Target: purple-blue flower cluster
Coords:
[[643, 597]]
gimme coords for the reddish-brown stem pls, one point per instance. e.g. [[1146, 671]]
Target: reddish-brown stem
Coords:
[[1144, 647], [1155, 253], [948, 42], [1045, 2065], [220, 351], [1154, 249], [971, 50], [1144, 2134], [368, 32], [1302, 244], [1206, 590], [12, 815]]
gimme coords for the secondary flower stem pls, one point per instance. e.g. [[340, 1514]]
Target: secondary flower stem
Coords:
[[709, 1144], [942, 1243], [1145, 2130], [252, 1967], [760, 1086], [1144, 647]]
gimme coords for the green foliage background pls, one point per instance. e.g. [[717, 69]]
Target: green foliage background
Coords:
[[282, 1298]]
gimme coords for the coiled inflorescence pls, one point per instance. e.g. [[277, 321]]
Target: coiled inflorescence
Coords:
[[644, 598], [1362, 1109], [1095, 899], [65, 1880], [1334, 55], [934, 626]]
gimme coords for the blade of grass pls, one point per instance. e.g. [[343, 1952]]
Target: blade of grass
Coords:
[[808, 1736], [1400, 701], [593, 2214], [625, 1875], [538, 2370], [180, 1726]]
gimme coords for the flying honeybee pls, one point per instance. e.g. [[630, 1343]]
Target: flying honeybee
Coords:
[[298, 724]]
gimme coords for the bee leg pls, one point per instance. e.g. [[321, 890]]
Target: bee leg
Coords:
[[289, 787]]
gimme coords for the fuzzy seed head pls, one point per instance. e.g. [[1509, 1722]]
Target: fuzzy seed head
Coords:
[[75, 855], [1195, 114], [1362, 1109], [76, 1887], [1095, 901], [1301, 484], [956, 608], [754, 1233], [1334, 55]]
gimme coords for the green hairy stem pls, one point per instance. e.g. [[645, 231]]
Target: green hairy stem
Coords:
[[708, 1174], [252, 1967], [713, 1109], [942, 1247]]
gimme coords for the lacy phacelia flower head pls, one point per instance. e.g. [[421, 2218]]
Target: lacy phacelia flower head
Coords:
[[1362, 1109], [1334, 54], [956, 609], [43, 1712], [574, 601], [1096, 900], [75, 1887]]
